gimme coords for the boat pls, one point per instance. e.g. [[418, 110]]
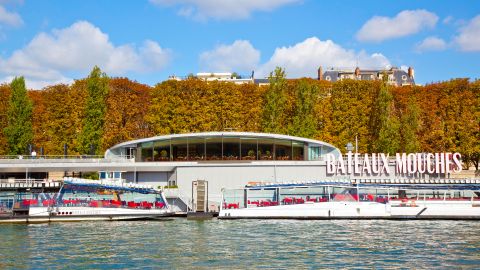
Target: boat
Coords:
[[88, 200], [346, 200]]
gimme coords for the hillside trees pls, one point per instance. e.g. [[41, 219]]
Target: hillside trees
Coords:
[[19, 130], [90, 138]]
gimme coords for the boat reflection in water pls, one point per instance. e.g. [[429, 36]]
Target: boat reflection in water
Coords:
[[80, 199], [337, 200]]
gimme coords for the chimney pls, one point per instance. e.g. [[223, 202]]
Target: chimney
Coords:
[[357, 72], [320, 73], [411, 73]]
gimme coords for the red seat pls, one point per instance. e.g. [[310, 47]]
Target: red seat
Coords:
[[93, 204], [131, 204], [48, 202]]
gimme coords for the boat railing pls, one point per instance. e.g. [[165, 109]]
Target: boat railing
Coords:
[[27, 181]]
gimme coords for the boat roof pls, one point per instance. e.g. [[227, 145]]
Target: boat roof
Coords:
[[224, 134], [111, 185]]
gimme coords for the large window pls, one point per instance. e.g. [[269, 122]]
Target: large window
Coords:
[[231, 148], [298, 149], [283, 149], [214, 148], [249, 148], [147, 151], [265, 149], [314, 153], [161, 150], [179, 149], [227, 148], [196, 149]]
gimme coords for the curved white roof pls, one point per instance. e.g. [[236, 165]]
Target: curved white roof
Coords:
[[134, 143]]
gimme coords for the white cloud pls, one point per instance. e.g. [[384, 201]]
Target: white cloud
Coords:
[[76, 49], [238, 56], [469, 38], [304, 58], [222, 9], [403, 24], [10, 18], [447, 20], [431, 44]]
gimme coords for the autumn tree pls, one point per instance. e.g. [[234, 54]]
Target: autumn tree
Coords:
[[58, 115], [409, 127], [273, 112], [385, 128], [127, 106], [351, 103], [4, 96], [19, 130], [90, 139], [304, 120]]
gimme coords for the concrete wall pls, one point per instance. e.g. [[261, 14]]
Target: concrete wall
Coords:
[[219, 177]]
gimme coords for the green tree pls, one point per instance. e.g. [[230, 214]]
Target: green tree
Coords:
[[410, 126], [386, 125], [90, 139], [304, 120], [275, 99], [19, 130]]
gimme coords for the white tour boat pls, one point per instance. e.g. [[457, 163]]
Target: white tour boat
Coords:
[[81, 200], [344, 200]]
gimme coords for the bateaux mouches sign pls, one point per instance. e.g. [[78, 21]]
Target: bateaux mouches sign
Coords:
[[380, 164]]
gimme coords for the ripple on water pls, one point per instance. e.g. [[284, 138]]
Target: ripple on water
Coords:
[[239, 244]]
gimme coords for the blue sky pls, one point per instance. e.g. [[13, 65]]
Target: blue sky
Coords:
[[54, 41]]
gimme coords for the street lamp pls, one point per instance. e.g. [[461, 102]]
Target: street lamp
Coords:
[[349, 147]]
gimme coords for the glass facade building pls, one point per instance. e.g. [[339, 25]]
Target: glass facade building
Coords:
[[222, 146]]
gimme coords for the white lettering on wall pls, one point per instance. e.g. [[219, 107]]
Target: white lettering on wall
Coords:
[[378, 163]]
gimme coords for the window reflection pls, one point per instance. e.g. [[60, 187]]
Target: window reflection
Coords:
[[214, 148], [297, 150], [265, 149], [179, 149], [283, 149], [231, 148], [147, 151], [249, 148], [196, 149], [161, 150]]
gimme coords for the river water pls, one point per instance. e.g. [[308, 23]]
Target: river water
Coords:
[[242, 244]]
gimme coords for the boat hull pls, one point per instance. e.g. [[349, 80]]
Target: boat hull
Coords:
[[358, 210], [73, 214]]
